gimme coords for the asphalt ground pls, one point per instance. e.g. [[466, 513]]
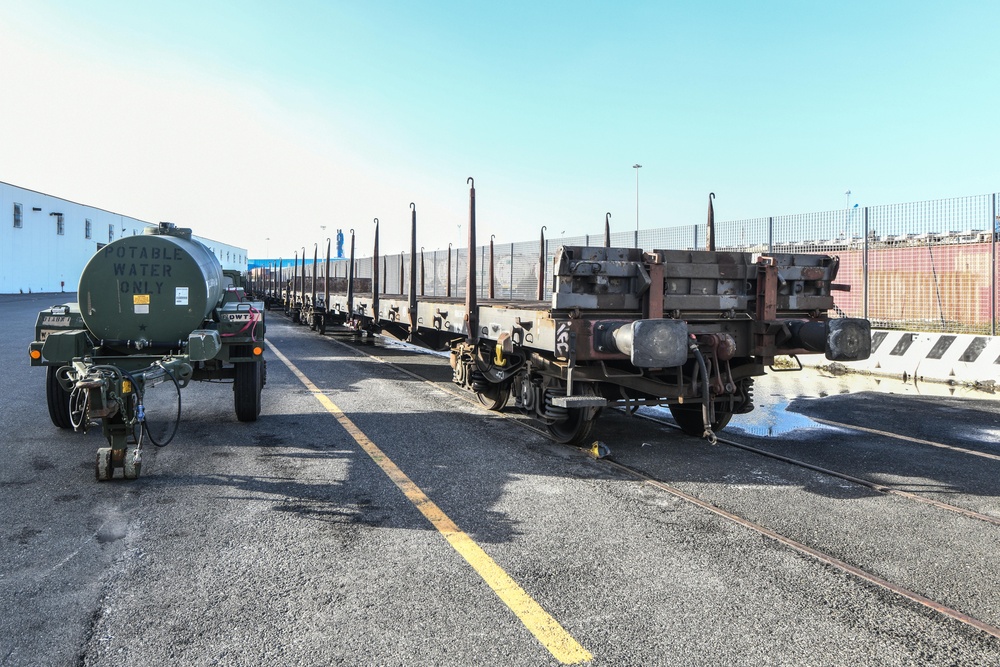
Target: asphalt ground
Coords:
[[283, 542]]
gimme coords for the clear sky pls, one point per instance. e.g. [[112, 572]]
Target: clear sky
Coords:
[[264, 120]]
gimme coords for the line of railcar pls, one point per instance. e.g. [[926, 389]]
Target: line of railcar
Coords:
[[624, 327]]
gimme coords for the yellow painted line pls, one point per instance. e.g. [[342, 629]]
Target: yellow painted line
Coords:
[[546, 629]]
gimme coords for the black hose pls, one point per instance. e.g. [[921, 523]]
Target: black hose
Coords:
[[177, 421], [706, 403]]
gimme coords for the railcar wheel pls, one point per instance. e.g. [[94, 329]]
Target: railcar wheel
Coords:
[[57, 399], [574, 429], [246, 390], [104, 468], [495, 397], [688, 417]]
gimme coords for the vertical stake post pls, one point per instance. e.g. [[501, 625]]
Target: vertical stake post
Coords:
[[471, 304], [413, 272], [541, 265], [375, 311]]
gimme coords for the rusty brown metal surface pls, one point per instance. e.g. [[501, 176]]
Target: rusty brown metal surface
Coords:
[[767, 308], [654, 295], [767, 289]]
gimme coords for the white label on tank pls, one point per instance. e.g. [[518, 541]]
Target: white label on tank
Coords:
[[142, 309], [181, 296]]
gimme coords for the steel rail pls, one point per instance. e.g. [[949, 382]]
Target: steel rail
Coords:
[[875, 486], [822, 557], [907, 438]]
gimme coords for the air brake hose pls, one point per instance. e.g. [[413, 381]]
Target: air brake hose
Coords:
[[706, 404]]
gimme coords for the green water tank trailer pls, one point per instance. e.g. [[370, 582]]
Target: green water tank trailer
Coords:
[[151, 289]]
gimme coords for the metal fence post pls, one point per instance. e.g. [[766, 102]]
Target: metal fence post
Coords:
[[695, 246], [770, 236], [511, 297], [993, 266], [864, 268], [545, 264]]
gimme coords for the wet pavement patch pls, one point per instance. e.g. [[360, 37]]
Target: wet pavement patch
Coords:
[[773, 419]]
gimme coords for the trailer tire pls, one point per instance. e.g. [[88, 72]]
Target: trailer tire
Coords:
[[104, 467], [57, 399], [246, 390]]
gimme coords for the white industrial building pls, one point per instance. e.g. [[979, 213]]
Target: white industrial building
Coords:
[[45, 241]]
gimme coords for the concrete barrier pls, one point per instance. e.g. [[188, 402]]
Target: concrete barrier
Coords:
[[932, 357]]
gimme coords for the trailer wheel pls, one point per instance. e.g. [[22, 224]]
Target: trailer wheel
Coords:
[[246, 390], [104, 468], [688, 417], [132, 467], [57, 399]]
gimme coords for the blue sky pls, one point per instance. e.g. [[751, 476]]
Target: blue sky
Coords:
[[249, 121]]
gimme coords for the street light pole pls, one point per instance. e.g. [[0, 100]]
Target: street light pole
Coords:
[[637, 167]]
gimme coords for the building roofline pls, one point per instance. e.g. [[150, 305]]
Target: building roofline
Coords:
[[70, 201]]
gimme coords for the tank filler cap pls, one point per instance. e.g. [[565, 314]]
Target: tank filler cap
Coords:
[[168, 229]]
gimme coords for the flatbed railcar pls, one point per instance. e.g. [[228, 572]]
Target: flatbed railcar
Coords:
[[689, 329]]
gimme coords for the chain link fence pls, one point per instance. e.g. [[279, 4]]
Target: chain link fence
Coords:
[[922, 266]]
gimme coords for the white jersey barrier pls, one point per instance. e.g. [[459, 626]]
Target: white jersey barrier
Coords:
[[935, 357]]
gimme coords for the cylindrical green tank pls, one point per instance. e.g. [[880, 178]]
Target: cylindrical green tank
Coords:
[[152, 289]]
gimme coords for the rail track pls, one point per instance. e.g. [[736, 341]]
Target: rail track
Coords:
[[874, 486], [907, 438], [798, 546]]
